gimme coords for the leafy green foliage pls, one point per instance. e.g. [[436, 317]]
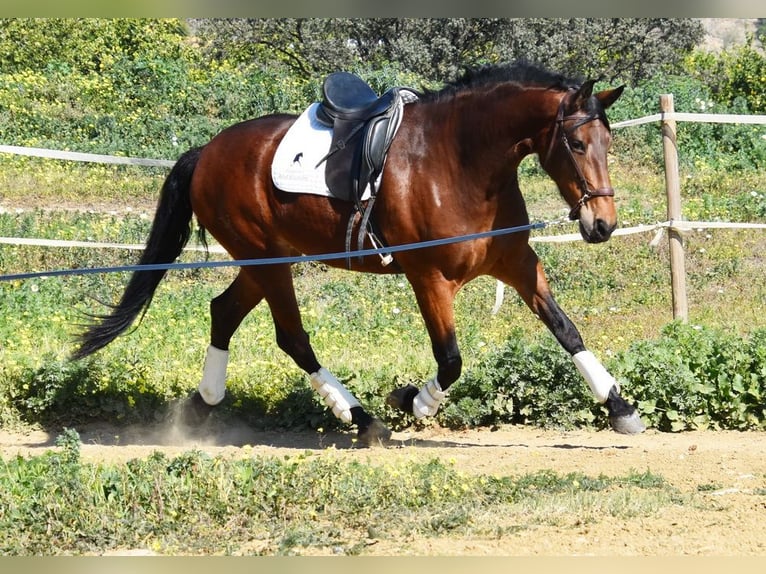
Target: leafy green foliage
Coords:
[[85, 45], [702, 147], [125, 87], [691, 378], [520, 383], [737, 77], [78, 392], [697, 378], [437, 49], [630, 50], [194, 503], [153, 88]]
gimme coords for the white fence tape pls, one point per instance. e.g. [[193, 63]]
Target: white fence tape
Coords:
[[97, 158], [93, 244], [87, 157], [683, 226], [687, 117], [567, 237]]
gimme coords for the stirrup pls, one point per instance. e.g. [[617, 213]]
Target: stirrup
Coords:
[[385, 258]]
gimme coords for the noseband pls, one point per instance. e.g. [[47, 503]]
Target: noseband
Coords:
[[582, 183]]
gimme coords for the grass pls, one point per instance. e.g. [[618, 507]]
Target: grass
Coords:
[[366, 328], [30, 181], [305, 504]]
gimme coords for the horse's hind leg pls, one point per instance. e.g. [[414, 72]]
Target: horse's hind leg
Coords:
[[277, 286], [226, 314], [528, 278]]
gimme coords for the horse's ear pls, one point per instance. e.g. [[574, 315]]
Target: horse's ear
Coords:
[[585, 91], [608, 97], [582, 95]]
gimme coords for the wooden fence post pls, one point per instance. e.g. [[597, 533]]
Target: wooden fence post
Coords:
[[673, 189]]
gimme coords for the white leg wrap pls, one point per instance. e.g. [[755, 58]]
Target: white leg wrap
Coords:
[[599, 379], [334, 394], [213, 384], [427, 401]]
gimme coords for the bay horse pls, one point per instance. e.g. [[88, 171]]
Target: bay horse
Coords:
[[451, 170]]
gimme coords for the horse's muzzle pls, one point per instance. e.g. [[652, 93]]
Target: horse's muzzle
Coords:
[[598, 231]]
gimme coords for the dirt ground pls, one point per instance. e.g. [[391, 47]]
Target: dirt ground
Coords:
[[730, 519]]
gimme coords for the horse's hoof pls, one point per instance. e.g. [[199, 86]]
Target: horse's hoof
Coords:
[[196, 410], [628, 424], [402, 398], [375, 434]]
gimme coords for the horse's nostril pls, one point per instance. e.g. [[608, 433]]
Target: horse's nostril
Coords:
[[603, 228]]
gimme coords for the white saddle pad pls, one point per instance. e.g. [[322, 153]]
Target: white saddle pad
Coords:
[[294, 168]]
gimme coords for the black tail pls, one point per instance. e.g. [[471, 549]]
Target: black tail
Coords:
[[170, 232]]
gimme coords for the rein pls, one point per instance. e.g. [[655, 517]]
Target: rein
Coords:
[[582, 182]]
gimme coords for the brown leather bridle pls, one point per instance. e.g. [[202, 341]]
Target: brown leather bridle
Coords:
[[587, 192]]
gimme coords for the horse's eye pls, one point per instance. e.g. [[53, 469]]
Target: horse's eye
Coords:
[[577, 146]]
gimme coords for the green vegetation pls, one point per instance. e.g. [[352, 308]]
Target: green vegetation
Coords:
[[197, 504], [436, 49], [153, 88]]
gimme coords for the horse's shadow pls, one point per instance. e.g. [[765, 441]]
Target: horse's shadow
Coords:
[[187, 425], [240, 436], [448, 444]]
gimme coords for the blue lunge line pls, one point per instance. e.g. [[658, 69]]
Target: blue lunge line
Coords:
[[272, 260]]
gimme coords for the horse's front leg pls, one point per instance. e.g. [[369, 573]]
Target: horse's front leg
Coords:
[[435, 299], [529, 280]]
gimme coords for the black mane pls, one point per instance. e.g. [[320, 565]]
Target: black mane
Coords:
[[521, 73]]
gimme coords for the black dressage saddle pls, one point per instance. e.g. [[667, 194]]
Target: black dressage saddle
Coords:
[[364, 125]]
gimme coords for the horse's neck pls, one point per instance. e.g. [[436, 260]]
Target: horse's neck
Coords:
[[507, 123]]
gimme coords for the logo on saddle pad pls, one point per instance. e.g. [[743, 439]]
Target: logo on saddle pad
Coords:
[[296, 167], [337, 148]]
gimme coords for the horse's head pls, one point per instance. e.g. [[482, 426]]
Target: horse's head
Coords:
[[576, 159]]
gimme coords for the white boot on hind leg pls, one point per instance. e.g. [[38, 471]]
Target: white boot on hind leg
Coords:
[[212, 388]]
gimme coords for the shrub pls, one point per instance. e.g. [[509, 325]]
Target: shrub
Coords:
[[736, 75], [75, 392], [691, 378], [522, 383], [701, 146], [697, 378], [128, 87]]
